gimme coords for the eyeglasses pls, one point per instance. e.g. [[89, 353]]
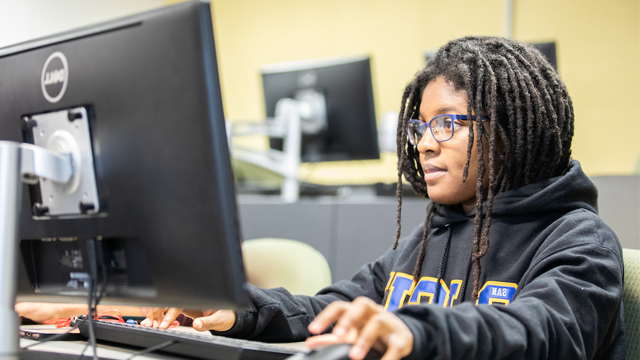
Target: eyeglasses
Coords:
[[442, 127]]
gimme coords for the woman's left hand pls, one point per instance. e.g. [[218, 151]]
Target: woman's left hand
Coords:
[[364, 324]]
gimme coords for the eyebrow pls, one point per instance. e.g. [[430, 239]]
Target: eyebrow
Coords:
[[445, 110]]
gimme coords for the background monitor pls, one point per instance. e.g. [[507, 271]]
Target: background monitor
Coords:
[[165, 220], [548, 49], [350, 129]]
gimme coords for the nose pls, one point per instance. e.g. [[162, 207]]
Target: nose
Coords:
[[428, 143]]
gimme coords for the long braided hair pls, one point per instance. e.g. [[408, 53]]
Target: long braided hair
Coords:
[[531, 121]]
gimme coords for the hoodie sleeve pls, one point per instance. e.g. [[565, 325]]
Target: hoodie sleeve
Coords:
[[278, 316], [566, 307]]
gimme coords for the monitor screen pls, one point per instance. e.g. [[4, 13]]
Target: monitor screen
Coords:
[[344, 86], [162, 208], [548, 49]]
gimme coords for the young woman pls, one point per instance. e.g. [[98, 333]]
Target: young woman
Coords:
[[512, 260]]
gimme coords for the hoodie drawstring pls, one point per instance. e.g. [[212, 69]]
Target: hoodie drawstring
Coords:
[[466, 278], [443, 264]]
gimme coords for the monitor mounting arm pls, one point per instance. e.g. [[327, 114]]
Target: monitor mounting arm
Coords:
[[60, 162], [19, 163], [305, 114]]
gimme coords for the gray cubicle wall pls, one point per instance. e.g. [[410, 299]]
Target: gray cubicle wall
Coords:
[[619, 206], [366, 230], [309, 221], [352, 231], [349, 232]]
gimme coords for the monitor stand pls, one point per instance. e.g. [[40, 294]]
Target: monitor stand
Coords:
[[10, 193], [306, 114], [55, 171]]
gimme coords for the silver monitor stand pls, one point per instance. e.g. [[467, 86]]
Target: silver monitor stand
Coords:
[[61, 163]]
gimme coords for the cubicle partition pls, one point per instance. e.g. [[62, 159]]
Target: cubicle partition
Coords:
[[348, 231], [354, 230]]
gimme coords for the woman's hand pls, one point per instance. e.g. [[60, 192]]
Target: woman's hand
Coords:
[[364, 324], [160, 318], [217, 320], [40, 312]]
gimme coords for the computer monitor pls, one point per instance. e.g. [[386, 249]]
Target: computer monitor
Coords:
[[548, 49], [162, 210], [344, 87]]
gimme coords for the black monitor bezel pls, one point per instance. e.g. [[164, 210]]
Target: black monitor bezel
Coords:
[[229, 292]]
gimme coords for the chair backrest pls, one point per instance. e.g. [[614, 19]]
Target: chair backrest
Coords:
[[631, 300], [291, 264]]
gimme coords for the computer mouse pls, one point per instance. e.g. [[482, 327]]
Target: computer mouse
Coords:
[[333, 352]]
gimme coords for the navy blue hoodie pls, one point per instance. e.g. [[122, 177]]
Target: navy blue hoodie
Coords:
[[551, 283]]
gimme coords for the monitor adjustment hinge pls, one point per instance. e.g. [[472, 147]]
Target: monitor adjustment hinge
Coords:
[[66, 178]]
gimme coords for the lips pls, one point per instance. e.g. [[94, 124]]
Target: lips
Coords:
[[432, 172]]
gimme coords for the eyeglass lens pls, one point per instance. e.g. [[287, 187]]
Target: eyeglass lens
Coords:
[[416, 129], [441, 128]]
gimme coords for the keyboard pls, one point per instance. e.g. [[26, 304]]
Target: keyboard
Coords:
[[200, 346]]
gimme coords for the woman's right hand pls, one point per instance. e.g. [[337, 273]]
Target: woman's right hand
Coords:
[[216, 320]]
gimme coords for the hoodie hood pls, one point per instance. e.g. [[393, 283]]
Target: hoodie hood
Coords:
[[562, 194]]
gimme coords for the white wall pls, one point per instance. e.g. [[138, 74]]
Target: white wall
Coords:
[[22, 20]]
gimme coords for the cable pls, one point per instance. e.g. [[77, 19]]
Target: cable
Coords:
[[93, 298], [89, 318], [83, 350], [93, 268], [60, 322], [103, 268], [152, 348]]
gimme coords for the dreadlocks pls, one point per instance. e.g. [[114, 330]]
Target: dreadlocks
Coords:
[[529, 133]]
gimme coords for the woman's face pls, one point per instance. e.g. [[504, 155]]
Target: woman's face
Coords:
[[443, 162]]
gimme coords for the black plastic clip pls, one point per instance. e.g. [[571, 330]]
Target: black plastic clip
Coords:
[[72, 116], [39, 210], [86, 207], [28, 123]]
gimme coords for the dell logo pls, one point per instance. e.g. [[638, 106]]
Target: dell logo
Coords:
[[54, 78]]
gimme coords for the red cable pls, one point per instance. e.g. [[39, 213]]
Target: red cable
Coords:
[[107, 315]]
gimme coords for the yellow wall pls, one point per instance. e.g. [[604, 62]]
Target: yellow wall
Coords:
[[598, 48], [599, 61]]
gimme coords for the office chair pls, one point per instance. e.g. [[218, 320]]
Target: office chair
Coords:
[[291, 264], [631, 300]]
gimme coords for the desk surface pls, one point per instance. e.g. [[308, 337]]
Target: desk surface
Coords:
[[71, 349]]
